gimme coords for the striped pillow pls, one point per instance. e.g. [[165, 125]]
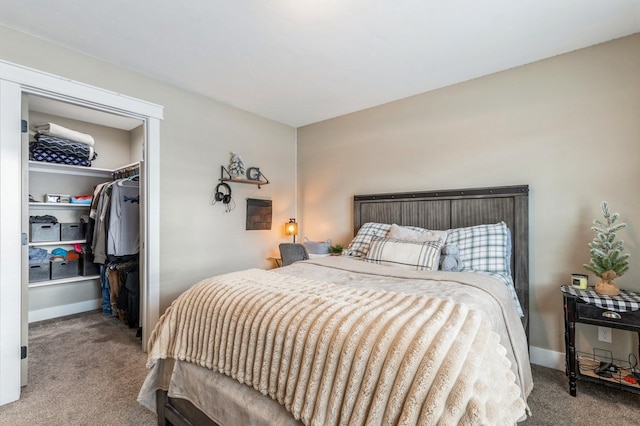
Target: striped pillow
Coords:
[[359, 246], [416, 255]]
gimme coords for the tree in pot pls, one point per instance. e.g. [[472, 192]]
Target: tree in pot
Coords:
[[607, 258]]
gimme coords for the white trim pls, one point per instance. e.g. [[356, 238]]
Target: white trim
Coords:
[[63, 310], [42, 83], [547, 358], [16, 80], [151, 264], [10, 229]]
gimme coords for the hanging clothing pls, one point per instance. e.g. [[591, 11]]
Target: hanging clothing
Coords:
[[105, 290], [124, 284], [124, 221], [114, 219], [99, 242]]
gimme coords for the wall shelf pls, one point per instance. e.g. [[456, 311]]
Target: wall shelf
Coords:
[[225, 176]]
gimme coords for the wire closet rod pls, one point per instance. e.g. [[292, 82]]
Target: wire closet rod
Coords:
[[130, 170]]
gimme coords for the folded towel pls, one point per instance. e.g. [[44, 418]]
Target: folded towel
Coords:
[[37, 254], [82, 199], [47, 218], [72, 255], [63, 132], [59, 252]]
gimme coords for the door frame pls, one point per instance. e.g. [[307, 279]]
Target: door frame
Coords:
[[15, 80]]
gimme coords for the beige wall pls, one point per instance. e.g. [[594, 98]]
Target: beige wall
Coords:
[[568, 126], [197, 134]]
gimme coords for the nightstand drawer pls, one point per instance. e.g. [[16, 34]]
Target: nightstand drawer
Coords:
[[592, 312]]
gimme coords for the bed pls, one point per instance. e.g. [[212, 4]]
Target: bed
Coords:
[[351, 337]]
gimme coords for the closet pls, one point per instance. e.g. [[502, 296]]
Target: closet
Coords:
[[59, 228], [26, 93]]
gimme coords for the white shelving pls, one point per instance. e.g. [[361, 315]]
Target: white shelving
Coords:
[[43, 167], [57, 243], [41, 206], [81, 172], [68, 170], [63, 281]]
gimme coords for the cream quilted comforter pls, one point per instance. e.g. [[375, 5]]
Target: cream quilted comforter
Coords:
[[334, 354]]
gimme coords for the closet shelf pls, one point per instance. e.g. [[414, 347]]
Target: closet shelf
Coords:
[[37, 206], [57, 243], [79, 278], [43, 167]]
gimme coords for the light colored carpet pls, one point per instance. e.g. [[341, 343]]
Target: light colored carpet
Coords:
[[83, 370], [594, 405], [87, 370]]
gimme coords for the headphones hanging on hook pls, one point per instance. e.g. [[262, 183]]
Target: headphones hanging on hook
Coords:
[[225, 197]]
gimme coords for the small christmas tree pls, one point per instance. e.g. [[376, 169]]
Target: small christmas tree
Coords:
[[607, 258], [236, 167]]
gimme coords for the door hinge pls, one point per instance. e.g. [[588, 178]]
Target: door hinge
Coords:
[[25, 237], [23, 352], [25, 128]]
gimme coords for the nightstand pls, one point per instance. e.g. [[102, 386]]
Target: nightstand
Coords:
[[276, 260], [587, 307]]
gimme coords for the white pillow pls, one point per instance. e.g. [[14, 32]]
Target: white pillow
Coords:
[[406, 233], [415, 234], [416, 255], [359, 246]]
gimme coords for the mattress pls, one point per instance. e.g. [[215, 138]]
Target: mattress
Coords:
[[225, 399]]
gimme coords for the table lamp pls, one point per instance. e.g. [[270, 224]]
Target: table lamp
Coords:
[[291, 228]]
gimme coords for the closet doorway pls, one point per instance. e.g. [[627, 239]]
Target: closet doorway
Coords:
[[127, 133]]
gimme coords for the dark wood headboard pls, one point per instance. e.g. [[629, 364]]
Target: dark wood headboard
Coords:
[[459, 208]]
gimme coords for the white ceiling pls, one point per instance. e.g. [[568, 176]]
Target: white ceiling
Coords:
[[303, 61]]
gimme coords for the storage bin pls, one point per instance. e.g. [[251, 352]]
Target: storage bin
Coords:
[[64, 269], [87, 267], [71, 231], [57, 198], [43, 232], [38, 270]]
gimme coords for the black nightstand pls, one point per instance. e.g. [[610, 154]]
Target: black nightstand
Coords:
[[580, 307]]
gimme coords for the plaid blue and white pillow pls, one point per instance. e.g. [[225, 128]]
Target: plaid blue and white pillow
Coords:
[[416, 255], [482, 247], [359, 246]]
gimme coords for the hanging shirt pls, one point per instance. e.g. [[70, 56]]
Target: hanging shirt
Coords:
[[123, 232], [99, 240]]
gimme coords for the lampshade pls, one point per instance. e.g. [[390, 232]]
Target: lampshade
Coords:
[[291, 228]]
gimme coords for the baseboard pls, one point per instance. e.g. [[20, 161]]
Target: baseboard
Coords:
[[63, 310], [547, 358]]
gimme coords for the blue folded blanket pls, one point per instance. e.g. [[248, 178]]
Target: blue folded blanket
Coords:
[[64, 146]]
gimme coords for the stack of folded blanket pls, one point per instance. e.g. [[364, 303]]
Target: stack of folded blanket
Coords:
[[56, 144]]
